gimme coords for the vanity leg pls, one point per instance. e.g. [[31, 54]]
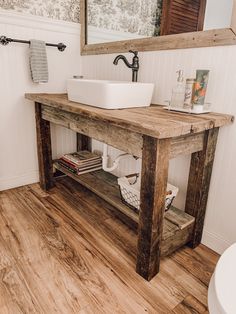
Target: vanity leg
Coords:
[[83, 142], [155, 164], [44, 149], [199, 183]]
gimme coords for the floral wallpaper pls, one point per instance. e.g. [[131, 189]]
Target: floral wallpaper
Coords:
[[67, 10], [134, 16], [141, 17]]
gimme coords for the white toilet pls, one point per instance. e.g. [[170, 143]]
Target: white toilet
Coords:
[[222, 288]]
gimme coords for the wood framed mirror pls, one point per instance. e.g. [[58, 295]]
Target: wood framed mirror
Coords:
[[148, 25]]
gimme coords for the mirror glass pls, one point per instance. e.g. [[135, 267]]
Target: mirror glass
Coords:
[[115, 20]]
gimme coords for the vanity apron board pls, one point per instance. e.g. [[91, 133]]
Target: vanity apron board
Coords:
[[155, 135]]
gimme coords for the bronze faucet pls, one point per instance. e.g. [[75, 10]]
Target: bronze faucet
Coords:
[[134, 65]]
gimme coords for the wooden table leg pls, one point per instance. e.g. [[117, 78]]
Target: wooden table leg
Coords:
[[83, 142], [199, 183], [155, 164], [44, 149]]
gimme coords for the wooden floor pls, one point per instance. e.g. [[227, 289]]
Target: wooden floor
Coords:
[[65, 252]]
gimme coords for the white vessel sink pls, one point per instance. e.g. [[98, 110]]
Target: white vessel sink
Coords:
[[110, 94]]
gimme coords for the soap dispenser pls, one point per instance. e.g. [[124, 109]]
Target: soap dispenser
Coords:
[[178, 92]]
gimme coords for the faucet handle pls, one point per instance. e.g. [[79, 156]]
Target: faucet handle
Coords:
[[134, 52]]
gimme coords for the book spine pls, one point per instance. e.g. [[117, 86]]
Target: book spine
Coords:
[[68, 162], [67, 167], [89, 170]]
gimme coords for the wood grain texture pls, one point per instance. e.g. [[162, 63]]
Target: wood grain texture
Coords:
[[181, 16], [63, 251], [83, 142], [208, 38], [199, 183], [233, 18], [155, 164], [202, 12], [44, 149], [105, 186], [152, 121], [16, 297], [83, 19], [185, 145], [190, 305], [128, 141], [102, 131], [179, 41], [181, 221]]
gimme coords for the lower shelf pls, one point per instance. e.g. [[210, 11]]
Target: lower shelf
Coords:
[[178, 225]]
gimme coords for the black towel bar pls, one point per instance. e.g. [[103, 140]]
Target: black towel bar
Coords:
[[5, 41]]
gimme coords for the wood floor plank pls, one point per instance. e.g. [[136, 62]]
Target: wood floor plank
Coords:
[[185, 279], [66, 252], [88, 310], [161, 285], [193, 262], [95, 284], [121, 263], [52, 286], [190, 305], [98, 214], [15, 295], [207, 255]]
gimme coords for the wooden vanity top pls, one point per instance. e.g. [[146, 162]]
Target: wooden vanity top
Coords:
[[153, 121]]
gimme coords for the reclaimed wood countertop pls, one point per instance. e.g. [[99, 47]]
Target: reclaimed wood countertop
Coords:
[[152, 121]]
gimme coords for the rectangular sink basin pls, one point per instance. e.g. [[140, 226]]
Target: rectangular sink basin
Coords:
[[110, 94]]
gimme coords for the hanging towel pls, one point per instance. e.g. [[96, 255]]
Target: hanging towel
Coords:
[[38, 61]]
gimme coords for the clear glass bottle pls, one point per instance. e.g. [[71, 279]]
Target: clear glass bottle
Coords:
[[178, 92]]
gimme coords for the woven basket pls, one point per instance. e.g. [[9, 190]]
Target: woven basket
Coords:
[[130, 194]]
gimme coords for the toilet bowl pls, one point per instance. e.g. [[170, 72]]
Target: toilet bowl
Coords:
[[222, 288]]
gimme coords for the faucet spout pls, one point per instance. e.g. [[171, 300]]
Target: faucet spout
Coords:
[[121, 57]]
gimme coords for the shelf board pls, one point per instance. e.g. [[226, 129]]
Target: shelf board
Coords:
[[104, 185], [177, 227]]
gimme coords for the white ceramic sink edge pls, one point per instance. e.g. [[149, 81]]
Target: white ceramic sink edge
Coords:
[[110, 94]]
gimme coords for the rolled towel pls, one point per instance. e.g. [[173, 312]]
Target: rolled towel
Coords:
[[38, 61]]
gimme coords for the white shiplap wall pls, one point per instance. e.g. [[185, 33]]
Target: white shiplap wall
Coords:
[[18, 155], [160, 67]]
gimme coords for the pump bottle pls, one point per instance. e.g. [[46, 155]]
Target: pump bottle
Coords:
[[178, 92]]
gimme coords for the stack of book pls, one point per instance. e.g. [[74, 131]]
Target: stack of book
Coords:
[[81, 162]]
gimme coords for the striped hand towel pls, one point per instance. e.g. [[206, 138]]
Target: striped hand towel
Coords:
[[38, 61]]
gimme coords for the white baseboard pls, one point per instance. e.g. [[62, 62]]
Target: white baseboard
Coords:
[[215, 242], [24, 179]]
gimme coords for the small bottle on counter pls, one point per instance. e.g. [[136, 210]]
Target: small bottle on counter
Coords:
[[178, 92], [189, 93]]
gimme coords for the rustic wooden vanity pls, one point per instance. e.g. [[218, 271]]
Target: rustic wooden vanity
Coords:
[[155, 135]]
